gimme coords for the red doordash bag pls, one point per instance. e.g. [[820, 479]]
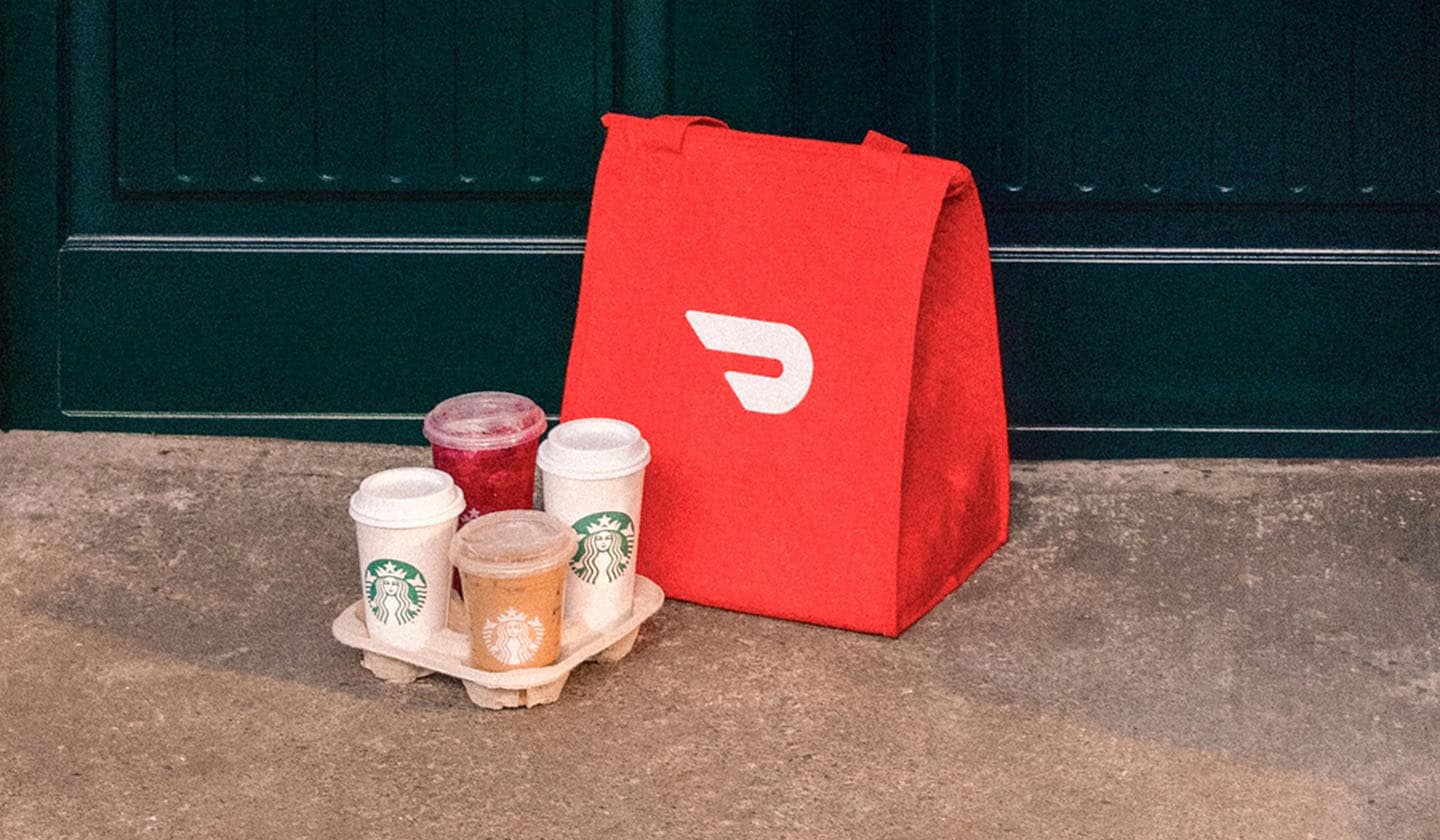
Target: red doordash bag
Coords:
[[805, 332]]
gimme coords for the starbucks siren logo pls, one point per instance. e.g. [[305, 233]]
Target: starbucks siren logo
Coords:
[[395, 591], [513, 637], [607, 545]]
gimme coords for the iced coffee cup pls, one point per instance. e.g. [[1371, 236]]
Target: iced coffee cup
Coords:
[[512, 569], [592, 473], [486, 442], [404, 520]]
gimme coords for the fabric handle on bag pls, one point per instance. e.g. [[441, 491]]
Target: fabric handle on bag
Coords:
[[667, 132], [881, 152], [878, 141]]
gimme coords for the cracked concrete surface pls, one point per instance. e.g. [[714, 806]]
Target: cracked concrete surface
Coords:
[[1165, 649]]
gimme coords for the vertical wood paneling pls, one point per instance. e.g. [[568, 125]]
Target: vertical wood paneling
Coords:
[[565, 88], [645, 58], [1091, 39], [362, 95], [144, 93], [971, 81], [1310, 101], [280, 90], [849, 91], [1174, 128], [419, 107], [807, 67], [1124, 41], [1011, 102], [1430, 103], [209, 64], [350, 70], [489, 87], [1132, 101], [735, 60], [1389, 99], [991, 125], [1050, 105], [1245, 103], [1316, 64]]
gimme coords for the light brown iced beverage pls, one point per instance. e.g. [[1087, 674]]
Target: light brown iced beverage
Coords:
[[512, 569]]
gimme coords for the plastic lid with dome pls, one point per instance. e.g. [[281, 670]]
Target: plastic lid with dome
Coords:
[[484, 420], [512, 543]]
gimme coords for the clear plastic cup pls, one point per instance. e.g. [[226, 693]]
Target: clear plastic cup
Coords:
[[486, 441], [593, 473], [512, 566], [404, 520]]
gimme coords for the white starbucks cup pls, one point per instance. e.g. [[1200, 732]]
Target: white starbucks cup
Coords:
[[404, 520], [593, 471]]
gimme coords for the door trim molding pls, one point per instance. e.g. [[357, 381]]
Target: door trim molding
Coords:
[[102, 414], [526, 245], [238, 415], [1003, 254], [340, 416], [1218, 430], [1214, 256]]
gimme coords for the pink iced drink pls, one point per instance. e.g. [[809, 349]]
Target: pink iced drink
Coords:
[[486, 441], [492, 479]]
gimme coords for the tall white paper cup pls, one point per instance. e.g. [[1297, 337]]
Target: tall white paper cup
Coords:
[[593, 471], [404, 519]]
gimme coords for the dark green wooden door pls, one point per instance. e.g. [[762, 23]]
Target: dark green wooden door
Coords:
[[1214, 224], [321, 218]]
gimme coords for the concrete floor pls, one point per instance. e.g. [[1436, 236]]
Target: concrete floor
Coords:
[[1164, 650]]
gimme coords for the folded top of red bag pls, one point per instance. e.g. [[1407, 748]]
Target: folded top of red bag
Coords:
[[672, 132]]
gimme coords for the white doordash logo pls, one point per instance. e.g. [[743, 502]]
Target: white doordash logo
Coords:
[[765, 340]]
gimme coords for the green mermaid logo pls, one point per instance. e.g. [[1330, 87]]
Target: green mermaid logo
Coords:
[[607, 546], [394, 590]]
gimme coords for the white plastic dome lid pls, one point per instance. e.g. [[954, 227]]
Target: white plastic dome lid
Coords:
[[593, 448], [406, 497], [484, 420]]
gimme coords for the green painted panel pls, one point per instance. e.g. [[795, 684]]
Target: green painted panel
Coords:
[[1206, 340], [29, 195], [1158, 105], [734, 61], [359, 95], [306, 328], [805, 67]]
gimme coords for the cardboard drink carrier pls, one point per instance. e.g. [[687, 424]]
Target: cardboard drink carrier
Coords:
[[448, 652], [806, 333]]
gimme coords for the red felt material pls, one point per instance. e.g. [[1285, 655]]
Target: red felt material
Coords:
[[879, 492]]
